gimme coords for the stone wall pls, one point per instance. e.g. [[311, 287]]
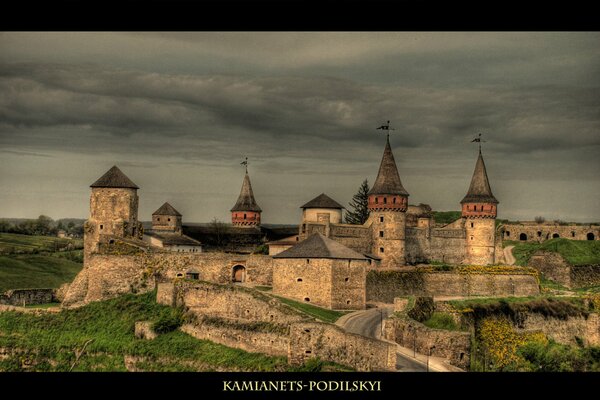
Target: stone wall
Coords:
[[226, 301], [23, 297], [565, 331], [383, 286], [453, 346], [554, 267], [106, 276], [538, 233], [332, 343], [254, 341]]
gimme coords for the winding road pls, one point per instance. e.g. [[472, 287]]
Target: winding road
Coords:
[[508, 255]]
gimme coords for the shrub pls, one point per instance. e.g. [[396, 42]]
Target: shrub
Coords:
[[168, 322]]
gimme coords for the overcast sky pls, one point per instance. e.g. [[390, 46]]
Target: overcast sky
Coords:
[[178, 112]]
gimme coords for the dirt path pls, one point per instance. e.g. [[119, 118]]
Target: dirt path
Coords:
[[508, 255]]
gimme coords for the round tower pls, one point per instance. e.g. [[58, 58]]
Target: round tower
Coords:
[[113, 210], [479, 210], [388, 201], [246, 212]]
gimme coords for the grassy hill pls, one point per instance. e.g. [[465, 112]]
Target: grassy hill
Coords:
[[576, 252], [445, 217], [15, 243], [47, 342], [36, 271]]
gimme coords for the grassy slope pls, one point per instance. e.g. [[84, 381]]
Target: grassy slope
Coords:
[[11, 242], [36, 271], [576, 252], [111, 324], [445, 217], [322, 314]]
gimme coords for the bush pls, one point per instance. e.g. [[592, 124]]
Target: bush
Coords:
[[168, 322]]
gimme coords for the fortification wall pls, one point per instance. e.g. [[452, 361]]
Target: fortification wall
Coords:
[[541, 232], [453, 346], [24, 297], [565, 331], [255, 341], [553, 266], [448, 246], [226, 301], [332, 343], [105, 276], [383, 286]]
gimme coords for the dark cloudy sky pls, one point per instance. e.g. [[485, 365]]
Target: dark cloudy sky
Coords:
[[178, 112]]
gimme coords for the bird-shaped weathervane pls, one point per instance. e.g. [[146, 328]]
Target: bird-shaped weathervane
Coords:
[[386, 127], [245, 164], [478, 140]]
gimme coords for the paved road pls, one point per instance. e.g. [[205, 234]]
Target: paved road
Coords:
[[508, 255], [368, 323]]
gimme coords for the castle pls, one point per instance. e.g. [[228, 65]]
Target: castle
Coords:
[[326, 262]]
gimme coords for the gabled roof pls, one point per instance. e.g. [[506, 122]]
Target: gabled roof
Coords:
[[319, 246], [388, 179], [171, 239], [114, 178], [322, 201], [245, 201], [166, 209], [479, 190]]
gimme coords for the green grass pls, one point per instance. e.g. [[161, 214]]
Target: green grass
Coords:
[[470, 303], [264, 288], [446, 217], [45, 305], [12, 242], [319, 313], [110, 324], [576, 252], [440, 320], [36, 271]]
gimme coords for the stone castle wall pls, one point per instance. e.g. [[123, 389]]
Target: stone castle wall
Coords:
[[545, 231], [24, 297], [332, 343], [383, 286], [480, 241], [106, 276], [565, 331], [554, 267]]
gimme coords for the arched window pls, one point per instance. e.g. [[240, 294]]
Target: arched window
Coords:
[[539, 233], [572, 233], [507, 233], [590, 236], [556, 235], [523, 236]]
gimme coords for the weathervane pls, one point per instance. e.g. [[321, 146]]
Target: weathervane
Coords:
[[245, 164], [478, 140], [386, 127]]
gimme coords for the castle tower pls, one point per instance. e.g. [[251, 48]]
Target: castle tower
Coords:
[[245, 212], [166, 218], [321, 212], [479, 208], [388, 201], [113, 210]]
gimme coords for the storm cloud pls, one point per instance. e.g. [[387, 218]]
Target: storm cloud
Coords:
[[179, 111]]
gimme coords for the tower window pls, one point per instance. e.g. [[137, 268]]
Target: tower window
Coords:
[[380, 233], [385, 200], [299, 280], [573, 234], [381, 249], [101, 227], [158, 219], [471, 237], [376, 200], [380, 219], [169, 219], [471, 224], [244, 216], [308, 260], [394, 200], [346, 279]]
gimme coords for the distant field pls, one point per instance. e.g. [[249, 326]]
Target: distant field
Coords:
[[36, 271], [576, 252], [15, 243]]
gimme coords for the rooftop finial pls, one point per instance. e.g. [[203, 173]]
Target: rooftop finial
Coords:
[[245, 163], [386, 127]]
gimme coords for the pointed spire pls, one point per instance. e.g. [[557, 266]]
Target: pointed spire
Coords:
[[480, 190], [388, 179], [245, 201], [114, 178]]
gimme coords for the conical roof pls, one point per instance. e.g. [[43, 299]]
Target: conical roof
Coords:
[[322, 201], [479, 191], [114, 178], [166, 209], [388, 179], [245, 201], [319, 246]]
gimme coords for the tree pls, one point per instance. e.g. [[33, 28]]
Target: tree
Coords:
[[359, 206], [540, 219]]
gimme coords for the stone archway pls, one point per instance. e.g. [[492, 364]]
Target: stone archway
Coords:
[[590, 236], [523, 236], [556, 235], [238, 273]]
